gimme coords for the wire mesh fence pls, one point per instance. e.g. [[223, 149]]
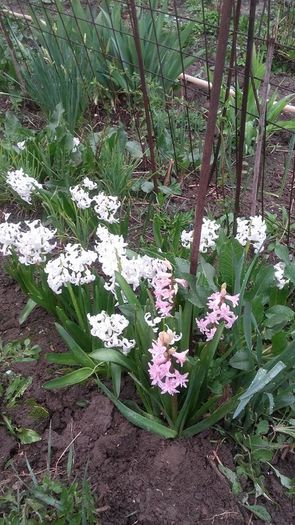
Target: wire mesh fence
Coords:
[[150, 65]]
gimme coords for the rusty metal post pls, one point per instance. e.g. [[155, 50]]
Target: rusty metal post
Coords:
[[291, 202], [150, 136], [232, 62], [247, 75], [210, 131]]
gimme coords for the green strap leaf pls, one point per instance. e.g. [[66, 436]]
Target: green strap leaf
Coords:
[[218, 414], [80, 355], [26, 311], [116, 372], [260, 512], [109, 355], [73, 378], [260, 381], [127, 290], [65, 358], [137, 419]]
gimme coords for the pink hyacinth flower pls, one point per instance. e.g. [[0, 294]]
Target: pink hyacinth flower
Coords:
[[180, 357], [218, 310]]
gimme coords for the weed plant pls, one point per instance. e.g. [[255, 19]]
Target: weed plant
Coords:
[[49, 499]]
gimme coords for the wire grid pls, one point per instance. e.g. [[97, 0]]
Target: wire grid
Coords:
[[182, 99]]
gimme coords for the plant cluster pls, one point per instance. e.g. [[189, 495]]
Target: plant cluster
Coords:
[[49, 498], [82, 57], [13, 386], [184, 340], [217, 346]]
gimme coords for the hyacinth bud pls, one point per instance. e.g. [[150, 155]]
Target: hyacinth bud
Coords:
[[223, 291], [182, 282], [165, 338]]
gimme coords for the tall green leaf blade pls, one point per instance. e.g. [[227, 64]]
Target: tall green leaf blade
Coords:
[[218, 414], [73, 378], [64, 358], [127, 290], [109, 355], [138, 419], [198, 375], [260, 381], [27, 310], [77, 351], [116, 372]]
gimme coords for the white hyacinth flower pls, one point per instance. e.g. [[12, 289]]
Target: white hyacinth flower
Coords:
[[251, 230], [187, 238], [72, 266], [34, 243], [22, 184], [152, 322], [21, 145], [30, 240], [106, 206], [76, 144], [89, 184], [111, 250], [109, 329], [9, 232], [80, 197], [281, 281], [208, 236]]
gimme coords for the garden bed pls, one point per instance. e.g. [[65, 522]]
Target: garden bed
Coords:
[[243, 467], [136, 476]]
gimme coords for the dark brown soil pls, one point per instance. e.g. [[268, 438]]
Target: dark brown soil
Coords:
[[136, 476]]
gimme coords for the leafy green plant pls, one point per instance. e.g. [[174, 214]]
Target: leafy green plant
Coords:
[[81, 57], [48, 499], [257, 453], [7, 70], [141, 314], [12, 388], [117, 158], [46, 155], [177, 128], [275, 107], [18, 352], [60, 70], [160, 45], [212, 366]]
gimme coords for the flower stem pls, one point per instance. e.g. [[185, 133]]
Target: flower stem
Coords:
[[174, 405], [75, 305]]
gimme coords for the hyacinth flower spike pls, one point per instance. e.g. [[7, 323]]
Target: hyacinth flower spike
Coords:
[[218, 310]]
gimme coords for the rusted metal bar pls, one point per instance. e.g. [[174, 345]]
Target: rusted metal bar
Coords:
[[261, 125], [150, 136], [291, 202], [210, 131], [229, 91], [240, 151], [206, 46]]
